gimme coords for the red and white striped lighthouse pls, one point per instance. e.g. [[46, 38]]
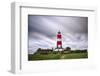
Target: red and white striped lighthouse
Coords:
[[59, 40]]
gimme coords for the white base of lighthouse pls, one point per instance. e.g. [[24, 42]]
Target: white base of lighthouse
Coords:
[[58, 49]]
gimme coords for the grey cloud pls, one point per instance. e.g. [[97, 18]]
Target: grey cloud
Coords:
[[42, 31]]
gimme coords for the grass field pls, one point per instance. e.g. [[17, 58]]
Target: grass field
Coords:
[[52, 56]]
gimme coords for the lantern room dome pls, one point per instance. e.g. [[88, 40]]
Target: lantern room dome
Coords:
[[59, 32]]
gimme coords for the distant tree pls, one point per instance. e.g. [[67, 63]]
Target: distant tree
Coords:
[[68, 48], [39, 49]]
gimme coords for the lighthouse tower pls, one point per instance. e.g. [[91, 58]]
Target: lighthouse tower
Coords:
[[59, 41]]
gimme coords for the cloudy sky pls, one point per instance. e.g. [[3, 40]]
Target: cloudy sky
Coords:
[[42, 31]]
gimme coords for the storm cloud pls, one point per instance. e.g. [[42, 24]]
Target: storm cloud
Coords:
[[42, 31]]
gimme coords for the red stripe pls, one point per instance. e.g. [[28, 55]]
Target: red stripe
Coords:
[[59, 36], [59, 43]]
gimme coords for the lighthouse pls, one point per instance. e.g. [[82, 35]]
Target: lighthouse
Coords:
[[59, 41]]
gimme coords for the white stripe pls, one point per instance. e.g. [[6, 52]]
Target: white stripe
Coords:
[[59, 45], [59, 39]]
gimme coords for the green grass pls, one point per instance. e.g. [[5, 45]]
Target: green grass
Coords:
[[52, 56]]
